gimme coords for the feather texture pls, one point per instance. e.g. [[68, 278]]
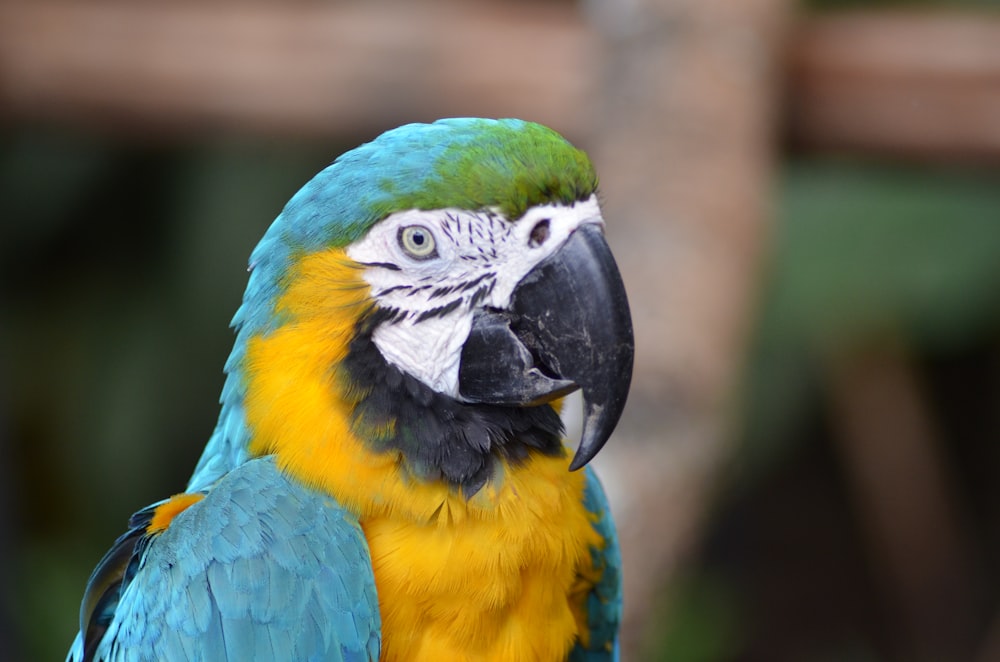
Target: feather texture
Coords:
[[262, 568]]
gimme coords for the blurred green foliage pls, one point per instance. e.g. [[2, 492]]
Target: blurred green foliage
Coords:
[[701, 618], [860, 253]]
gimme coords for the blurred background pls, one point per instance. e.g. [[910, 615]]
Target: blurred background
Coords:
[[804, 198]]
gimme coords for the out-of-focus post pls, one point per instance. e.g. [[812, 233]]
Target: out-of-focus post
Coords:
[[684, 141], [902, 488]]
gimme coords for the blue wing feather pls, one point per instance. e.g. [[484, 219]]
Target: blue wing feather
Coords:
[[604, 604], [262, 568]]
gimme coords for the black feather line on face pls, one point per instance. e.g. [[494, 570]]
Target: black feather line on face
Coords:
[[385, 265], [472, 283], [440, 437], [394, 288], [441, 291], [440, 311], [479, 295]]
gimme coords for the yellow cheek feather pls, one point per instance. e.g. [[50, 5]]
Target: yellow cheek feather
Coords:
[[495, 577]]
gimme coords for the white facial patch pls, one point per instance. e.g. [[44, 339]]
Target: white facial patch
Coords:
[[436, 268]]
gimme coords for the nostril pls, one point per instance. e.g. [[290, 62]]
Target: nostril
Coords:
[[539, 234]]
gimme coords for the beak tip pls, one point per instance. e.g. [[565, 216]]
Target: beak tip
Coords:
[[578, 462], [597, 428]]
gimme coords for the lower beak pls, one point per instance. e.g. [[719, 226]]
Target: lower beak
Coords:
[[568, 327]]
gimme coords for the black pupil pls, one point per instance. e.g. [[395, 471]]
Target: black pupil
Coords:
[[418, 238]]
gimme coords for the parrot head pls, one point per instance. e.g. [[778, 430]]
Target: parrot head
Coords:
[[479, 290]]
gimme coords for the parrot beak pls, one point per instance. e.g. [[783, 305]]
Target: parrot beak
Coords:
[[568, 328]]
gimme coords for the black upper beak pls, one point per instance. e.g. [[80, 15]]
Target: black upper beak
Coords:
[[568, 327]]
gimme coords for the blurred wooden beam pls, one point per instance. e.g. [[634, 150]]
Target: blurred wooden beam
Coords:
[[303, 67], [894, 83], [914, 85]]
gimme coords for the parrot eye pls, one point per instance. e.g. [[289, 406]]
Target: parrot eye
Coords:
[[539, 233], [417, 241]]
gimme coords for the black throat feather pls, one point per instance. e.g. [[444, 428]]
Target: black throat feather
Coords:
[[440, 437]]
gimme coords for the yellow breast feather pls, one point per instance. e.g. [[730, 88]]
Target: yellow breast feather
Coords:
[[494, 577]]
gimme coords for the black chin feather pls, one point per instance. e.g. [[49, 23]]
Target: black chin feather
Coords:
[[440, 437]]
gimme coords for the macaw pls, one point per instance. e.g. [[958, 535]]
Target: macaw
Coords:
[[388, 478]]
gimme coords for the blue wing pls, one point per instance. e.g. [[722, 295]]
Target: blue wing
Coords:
[[262, 568], [604, 603]]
